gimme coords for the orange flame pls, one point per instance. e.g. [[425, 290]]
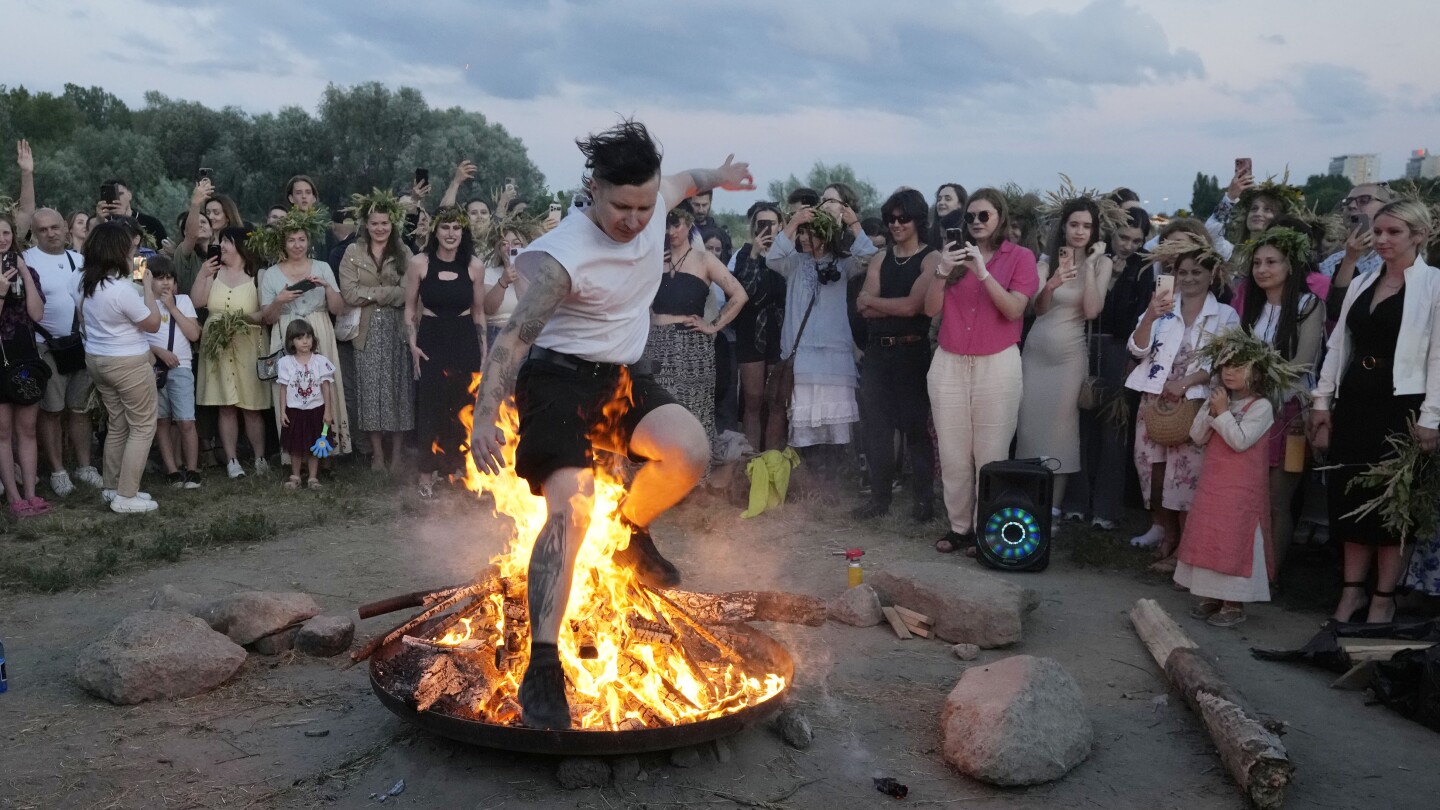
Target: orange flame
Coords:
[[632, 676]]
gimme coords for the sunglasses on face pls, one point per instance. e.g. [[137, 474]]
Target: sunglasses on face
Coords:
[[898, 219], [1358, 201], [981, 217]]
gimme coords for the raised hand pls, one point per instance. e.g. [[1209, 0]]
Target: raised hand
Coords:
[[735, 176], [23, 157]]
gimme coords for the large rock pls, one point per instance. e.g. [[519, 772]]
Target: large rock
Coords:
[[249, 615], [275, 643], [325, 636], [967, 605], [154, 655], [1018, 721], [858, 606]]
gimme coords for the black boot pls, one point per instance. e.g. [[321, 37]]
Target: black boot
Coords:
[[923, 511], [542, 690], [642, 557]]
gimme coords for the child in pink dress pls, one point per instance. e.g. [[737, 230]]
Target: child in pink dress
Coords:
[[1225, 554]]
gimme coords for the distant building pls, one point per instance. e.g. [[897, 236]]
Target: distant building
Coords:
[[1422, 165], [1357, 168]]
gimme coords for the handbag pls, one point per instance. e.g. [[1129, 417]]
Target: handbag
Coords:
[[23, 381], [1093, 389], [67, 351], [268, 366], [162, 371], [1167, 422], [347, 324], [780, 383]]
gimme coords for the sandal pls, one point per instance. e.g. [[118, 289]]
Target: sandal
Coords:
[[953, 541], [21, 509], [39, 506], [1227, 617], [293, 482], [1206, 608], [314, 483], [1383, 595], [1332, 621]]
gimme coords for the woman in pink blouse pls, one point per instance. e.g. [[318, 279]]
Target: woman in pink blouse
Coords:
[[974, 380]]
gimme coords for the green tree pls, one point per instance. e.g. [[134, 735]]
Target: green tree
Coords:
[[1205, 195], [822, 175], [1323, 192], [100, 109]]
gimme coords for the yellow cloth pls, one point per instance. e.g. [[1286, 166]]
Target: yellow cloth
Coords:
[[769, 475]]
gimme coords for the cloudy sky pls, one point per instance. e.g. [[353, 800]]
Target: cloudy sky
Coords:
[[915, 93]]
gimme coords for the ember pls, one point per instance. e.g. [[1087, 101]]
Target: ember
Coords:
[[634, 658]]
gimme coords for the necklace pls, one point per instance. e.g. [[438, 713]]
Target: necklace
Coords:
[[899, 262], [674, 266]]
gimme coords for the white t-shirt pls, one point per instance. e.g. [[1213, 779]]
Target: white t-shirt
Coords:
[[302, 381], [501, 316], [111, 315], [61, 284], [606, 317], [161, 338]]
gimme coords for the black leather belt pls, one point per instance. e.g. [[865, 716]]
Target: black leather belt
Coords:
[[573, 363], [889, 341]]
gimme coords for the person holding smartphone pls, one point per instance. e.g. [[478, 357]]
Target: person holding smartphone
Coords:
[[301, 287], [116, 200], [22, 306], [757, 327], [504, 243], [198, 234], [1358, 255]]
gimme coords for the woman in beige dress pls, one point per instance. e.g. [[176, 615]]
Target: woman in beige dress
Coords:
[[229, 382]]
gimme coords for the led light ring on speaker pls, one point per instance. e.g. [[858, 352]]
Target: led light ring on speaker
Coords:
[[1012, 535]]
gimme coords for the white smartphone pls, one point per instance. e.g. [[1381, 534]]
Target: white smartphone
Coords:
[[1165, 284]]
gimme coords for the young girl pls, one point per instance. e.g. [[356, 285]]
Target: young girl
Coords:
[[1225, 554], [304, 384]]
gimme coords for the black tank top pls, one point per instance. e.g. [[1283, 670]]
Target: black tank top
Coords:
[[680, 294], [897, 279], [447, 299]]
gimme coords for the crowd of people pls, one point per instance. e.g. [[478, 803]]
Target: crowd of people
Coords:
[[1210, 365]]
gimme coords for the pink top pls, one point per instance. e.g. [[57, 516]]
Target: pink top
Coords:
[[969, 321]]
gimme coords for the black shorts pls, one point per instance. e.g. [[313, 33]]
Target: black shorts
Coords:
[[562, 415], [755, 343]]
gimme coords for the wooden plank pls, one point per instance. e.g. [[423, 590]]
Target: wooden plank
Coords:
[[1358, 677], [896, 623], [1361, 655], [917, 629], [1159, 632], [913, 618]]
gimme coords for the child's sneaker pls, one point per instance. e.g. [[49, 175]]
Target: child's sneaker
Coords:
[[192, 479], [91, 476], [234, 470], [61, 484], [175, 479]]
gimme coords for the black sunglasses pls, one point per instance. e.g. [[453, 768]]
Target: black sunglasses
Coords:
[[981, 217], [898, 219]]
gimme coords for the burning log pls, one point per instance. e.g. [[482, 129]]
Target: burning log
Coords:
[[1255, 757], [419, 598], [674, 611], [750, 606], [642, 629], [467, 592]]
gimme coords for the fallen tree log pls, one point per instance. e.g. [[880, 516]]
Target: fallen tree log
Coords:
[[750, 606], [1254, 755]]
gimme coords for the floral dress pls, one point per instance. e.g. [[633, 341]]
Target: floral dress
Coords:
[[1182, 461]]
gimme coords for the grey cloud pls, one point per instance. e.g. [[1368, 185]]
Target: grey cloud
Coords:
[[1335, 94], [1273, 39]]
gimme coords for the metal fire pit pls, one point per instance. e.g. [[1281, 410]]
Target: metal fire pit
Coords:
[[756, 646]]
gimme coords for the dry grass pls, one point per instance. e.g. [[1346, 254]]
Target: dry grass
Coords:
[[82, 542]]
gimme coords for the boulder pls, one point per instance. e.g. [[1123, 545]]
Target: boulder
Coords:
[[325, 636], [575, 773], [156, 655], [275, 643], [966, 652], [795, 727], [249, 615], [173, 599], [966, 605], [1018, 721], [858, 606]]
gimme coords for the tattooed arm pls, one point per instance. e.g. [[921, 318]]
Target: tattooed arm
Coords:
[[731, 176], [539, 301]]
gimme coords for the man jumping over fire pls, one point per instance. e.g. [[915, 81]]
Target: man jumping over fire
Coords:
[[570, 346]]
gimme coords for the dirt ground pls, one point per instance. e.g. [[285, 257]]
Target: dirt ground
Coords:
[[874, 700]]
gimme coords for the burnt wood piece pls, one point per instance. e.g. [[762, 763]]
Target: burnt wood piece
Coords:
[[674, 611], [1254, 756], [750, 606], [467, 592]]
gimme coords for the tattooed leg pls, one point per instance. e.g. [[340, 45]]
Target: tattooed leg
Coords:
[[569, 494]]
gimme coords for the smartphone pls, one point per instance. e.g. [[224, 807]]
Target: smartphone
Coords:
[[1362, 221], [108, 194], [1243, 166], [1165, 284], [422, 176], [303, 286], [554, 206], [207, 173], [514, 251], [137, 268], [956, 235], [212, 252]]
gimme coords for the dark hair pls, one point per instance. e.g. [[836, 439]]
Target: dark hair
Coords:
[[480, 200], [300, 327], [803, 196], [709, 192], [394, 248], [1057, 236], [301, 178], [432, 243], [847, 195], [117, 182], [237, 237], [107, 255], [1139, 218], [997, 199], [717, 232], [160, 266], [911, 203], [232, 211], [959, 192], [1122, 195], [1287, 329], [278, 207], [623, 155], [763, 205], [872, 226]]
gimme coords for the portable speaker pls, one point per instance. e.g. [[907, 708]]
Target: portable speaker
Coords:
[[1012, 531]]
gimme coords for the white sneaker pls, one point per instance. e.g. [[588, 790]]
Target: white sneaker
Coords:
[[261, 466], [133, 505], [91, 476], [61, 484], [109, 495], [234, 470], [1149, 539], [1103, 524]]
